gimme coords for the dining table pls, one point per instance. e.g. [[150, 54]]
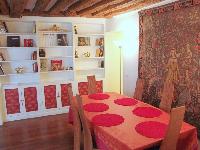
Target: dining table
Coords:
[[119, 122]]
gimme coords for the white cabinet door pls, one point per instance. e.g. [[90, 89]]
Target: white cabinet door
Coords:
[[31, 101], [13, 103]]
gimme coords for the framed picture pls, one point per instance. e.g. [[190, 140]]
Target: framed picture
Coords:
[[43, 65], [62, 40], [83, 41]]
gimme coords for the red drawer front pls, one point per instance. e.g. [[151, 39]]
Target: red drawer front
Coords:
[[83, 88], [50, 96], [99, 86], [30, 95], [12, 101], [64, 94]]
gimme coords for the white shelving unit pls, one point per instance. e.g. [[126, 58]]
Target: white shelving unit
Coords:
[[18, 56], [59, 45], [93, 64]]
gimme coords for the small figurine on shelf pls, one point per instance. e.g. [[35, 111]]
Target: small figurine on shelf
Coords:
[[87, 54], [76, 54], [19, 70], [75, 30], [70, 68], [1, 70], [1, 57]]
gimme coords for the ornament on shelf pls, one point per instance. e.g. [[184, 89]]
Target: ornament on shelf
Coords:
[[1, 70], [87, 54], [76, 54], [3, 27], [99, 52], [55, 28], [75, 30], [19, 70], [1, 57]]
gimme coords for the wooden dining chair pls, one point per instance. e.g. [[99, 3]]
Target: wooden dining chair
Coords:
[[139, 89], [87, 137], [70, 94], [176, 119], [167, 96], [83, 87], [77, 127], [91, 84]]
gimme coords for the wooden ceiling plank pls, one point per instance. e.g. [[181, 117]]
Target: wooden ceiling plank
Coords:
[[98, 6], [111, 7], [17, 7], [132, 7], [79, 5], [61, 5], [4, 7], [40, 5]]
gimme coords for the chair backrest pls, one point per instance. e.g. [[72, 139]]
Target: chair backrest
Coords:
[[91, 84], [174, 127], [83, 87], [88, 145], [77, 127], [70, 94], [167, 96], [139, 89]]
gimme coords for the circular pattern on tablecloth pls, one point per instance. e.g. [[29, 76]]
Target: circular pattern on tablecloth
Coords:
[[107, 120], [151, 129], [98, 96], [147, 112], [126, 101], [95, 107]]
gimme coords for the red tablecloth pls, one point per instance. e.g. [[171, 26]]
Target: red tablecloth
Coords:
[[124, 137]]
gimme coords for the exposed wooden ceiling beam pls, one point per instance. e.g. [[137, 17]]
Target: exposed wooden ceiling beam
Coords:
[[113, 7], [132, 7], [4, 7], [98, 6], [71, 11], [61, 5], [40, 5], [17, 7]]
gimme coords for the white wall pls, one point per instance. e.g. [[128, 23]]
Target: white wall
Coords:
[[128, 24]]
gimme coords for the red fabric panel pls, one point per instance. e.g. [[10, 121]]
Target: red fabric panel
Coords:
[[50, 96], [83, 87], [64, 94], [12, 101], [30, 95]]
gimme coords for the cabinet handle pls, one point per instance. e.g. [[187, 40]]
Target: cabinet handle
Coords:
[[58, 94]]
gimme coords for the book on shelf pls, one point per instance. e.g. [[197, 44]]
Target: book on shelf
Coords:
[[13, 41], [56, 65]]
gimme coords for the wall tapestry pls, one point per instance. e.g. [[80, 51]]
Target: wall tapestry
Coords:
[[170, 49]]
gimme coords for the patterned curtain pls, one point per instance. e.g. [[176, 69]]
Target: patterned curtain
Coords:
[[170, 51]]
